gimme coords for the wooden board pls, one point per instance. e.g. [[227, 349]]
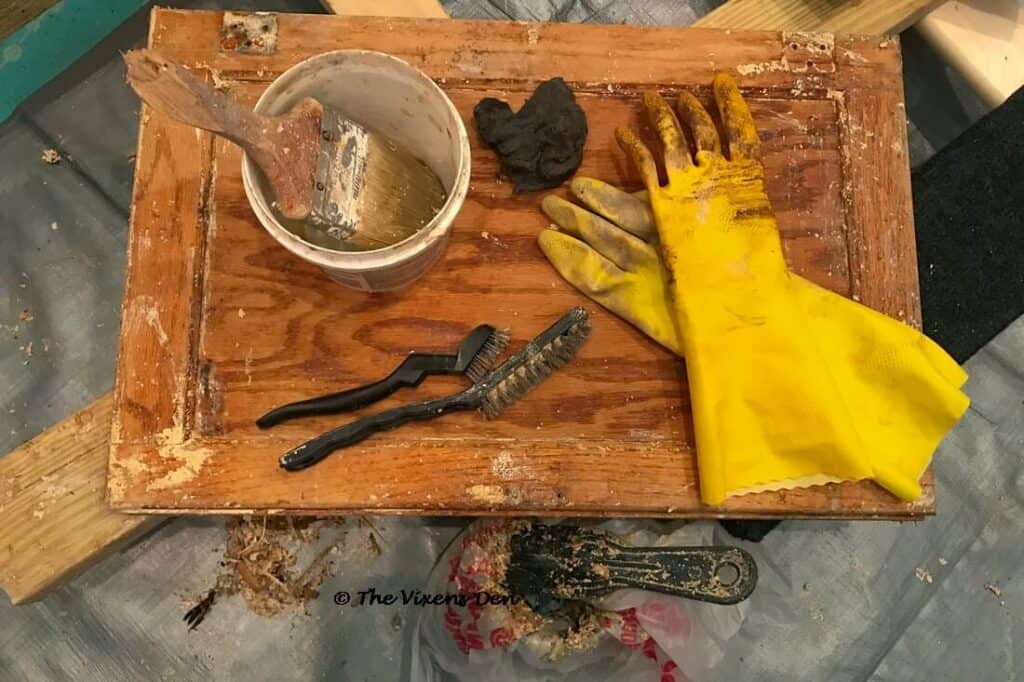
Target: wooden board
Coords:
[[428, 9], [53, 518], [984, 41], [838, 16], [220, 323]]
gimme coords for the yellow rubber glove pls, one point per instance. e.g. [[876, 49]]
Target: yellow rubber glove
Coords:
[[768, 412], [904, 387]]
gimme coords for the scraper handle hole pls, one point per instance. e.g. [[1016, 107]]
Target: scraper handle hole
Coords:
[[727, 573]]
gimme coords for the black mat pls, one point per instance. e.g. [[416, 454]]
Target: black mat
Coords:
[[969, 219]]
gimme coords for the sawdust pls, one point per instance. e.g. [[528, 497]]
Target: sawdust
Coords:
[[574, 628], [276, 563], [923, 575], [496, 546], [584, 635], [51, 156], [26, 316]]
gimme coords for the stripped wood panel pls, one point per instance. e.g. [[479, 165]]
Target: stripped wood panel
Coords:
[[231, 324]]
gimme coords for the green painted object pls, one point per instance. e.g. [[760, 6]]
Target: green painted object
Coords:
[[51, 42]]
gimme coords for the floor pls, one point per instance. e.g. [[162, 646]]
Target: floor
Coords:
[[838, 601]]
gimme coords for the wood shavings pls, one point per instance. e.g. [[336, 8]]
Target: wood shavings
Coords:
[[26, 315], [994, 589], [923, 575], [372, 536], [584, 635], [51, 156], [276, 563]]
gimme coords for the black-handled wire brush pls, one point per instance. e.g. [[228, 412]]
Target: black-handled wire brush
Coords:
[[550, 350], [475, 357]]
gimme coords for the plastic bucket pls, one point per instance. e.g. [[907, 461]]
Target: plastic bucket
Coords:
[[393, 98]]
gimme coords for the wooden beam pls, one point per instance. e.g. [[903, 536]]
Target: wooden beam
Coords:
[[422, 9], [853, 16], [984, 41], [54, 521]]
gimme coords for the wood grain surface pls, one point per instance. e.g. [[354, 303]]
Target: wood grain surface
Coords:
[[220, 323], [54, 522], [838, 16], [386, 8]]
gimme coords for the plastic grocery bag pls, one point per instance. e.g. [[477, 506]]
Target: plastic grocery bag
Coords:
[[631, 635]]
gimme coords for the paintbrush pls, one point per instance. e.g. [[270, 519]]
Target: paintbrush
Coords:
[[518, 375], [354, 189]]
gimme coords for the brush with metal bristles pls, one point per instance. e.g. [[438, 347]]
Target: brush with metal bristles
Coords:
[[475, 357], [525, 370]]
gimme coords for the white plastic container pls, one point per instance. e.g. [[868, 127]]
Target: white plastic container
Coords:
[[393, 98]]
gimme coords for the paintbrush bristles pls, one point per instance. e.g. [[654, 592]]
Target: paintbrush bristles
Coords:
[[553, 355], [399, 194]]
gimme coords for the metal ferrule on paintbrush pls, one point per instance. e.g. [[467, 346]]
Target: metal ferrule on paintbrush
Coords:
[[525, 370]]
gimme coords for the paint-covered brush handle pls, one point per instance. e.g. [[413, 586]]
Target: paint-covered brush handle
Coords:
[[720, 575], [553, 563], [172, 90], [284, 147], [312, 451]]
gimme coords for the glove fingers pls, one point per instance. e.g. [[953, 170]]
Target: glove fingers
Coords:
[[618, 246], [641, 157], [580, 265], [630, 212], [740, 131], [695, 117], [663, 119]]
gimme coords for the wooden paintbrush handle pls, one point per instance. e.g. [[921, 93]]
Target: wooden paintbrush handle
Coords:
[[173, 91], [284, 147]]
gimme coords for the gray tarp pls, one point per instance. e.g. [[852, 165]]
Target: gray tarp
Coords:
[[856, 605]]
